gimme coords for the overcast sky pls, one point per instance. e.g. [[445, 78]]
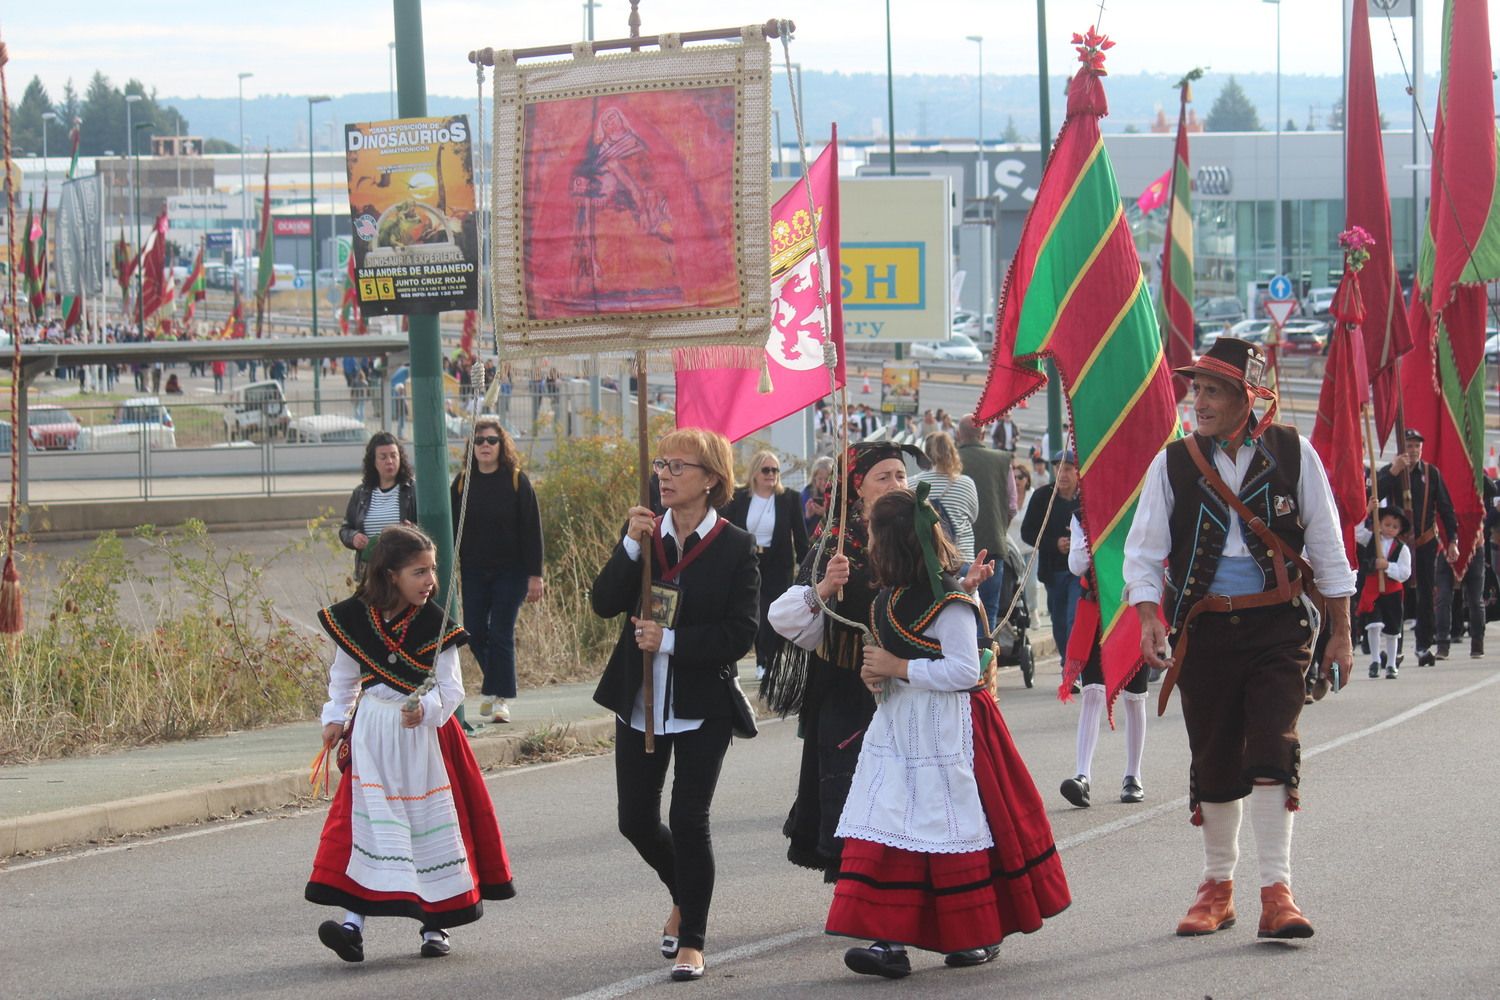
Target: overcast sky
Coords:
[[187, 49]]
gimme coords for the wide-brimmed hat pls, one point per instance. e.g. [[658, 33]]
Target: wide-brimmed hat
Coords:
[[1388, 509], [1242, 363]]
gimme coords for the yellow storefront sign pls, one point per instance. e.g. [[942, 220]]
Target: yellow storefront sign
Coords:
[[883, 275]]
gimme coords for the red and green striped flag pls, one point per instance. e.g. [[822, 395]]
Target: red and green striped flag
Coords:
[[267, 276], [1075, 292], [1176, 300], [1460, 252], [194, 287], [29, 285]]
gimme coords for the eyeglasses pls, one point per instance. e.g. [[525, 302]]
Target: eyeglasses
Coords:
[[769, 470], [675, 466], [487, 439]]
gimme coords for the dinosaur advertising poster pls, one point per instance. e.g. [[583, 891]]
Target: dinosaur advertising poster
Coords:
[[411, 199]]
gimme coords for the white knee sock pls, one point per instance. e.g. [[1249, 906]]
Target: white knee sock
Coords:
[[1221, 838], [1373, 636], [355, 920], [1390, 649], [1272, 822], [1135, 732], [1088, 727]]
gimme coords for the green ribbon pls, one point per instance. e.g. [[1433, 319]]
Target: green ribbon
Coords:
[[926, 518]]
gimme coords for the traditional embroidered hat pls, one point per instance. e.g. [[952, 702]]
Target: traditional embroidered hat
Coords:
[[866, 455], [1241, 362]]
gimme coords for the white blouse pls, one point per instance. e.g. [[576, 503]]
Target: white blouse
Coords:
[[437, 705], [914, 785]]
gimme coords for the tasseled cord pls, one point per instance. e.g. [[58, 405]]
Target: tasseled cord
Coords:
[[765, 388], [11, 617]]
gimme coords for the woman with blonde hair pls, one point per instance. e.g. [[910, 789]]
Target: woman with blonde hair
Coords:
[[705, 588], [499, 558], [773, 515], [952, 491]]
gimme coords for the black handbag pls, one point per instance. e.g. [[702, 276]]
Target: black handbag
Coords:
[[741, 712]]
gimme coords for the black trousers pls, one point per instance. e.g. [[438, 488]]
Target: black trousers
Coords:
[[681, 853], [1424, 561], [1473, 598]]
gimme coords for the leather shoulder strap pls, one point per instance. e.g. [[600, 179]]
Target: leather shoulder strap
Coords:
[[1262, 530]]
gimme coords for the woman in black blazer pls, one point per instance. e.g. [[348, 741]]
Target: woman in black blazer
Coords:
[[772, 514], [705, 598]]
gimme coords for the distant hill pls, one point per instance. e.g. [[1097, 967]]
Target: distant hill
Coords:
[[927, 106]]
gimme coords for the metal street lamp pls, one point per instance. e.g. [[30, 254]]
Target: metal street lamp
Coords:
[[312, 217], [1279, 262], [244, 188], [588, 18], [981, 194], [47, 116], [136, 183]]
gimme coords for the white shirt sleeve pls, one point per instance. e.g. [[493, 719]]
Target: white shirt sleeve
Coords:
[[793, 620], [443, 700], [1400, 570], [632, 548], [1150, 537], [343, 686], [1079, 556], [1362, 533], [958, 668], [1321, 537]]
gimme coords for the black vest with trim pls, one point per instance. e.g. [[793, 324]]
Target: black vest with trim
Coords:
[[1200, 520], [899, 617], [351, 624]]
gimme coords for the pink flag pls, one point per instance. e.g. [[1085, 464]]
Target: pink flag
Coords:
[[1156, 193], [729, 400]]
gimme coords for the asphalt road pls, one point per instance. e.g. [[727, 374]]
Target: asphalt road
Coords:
[[1393, 862]]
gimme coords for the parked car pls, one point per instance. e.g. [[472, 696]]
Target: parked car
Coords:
[[326, 428], [53, 428], [1318, 302], [142, 417], [332, 277], [1253, 330], [1212, 312], [219, 276], [966, 323], [1305, 336], [257, 409], [958, 347], [5, 438], [1492, 345]]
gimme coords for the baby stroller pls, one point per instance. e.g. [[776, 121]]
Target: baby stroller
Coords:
[[1013, 643]]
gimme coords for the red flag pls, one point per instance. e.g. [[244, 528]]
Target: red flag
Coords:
[[470, 335], [1368, 205], [729, 400], [1175, 302], [1346, 387], [155, 287], [1155, 195]]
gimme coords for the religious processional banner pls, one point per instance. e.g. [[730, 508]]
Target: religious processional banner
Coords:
[[631, 202], [411, 200], [79, 254]]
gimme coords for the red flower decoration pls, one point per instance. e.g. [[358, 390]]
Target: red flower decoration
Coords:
[[1091, 47]]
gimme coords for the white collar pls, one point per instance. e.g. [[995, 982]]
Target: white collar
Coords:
[[669, 527]]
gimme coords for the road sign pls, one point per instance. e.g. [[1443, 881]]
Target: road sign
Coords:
[[299, 282], [345, 248], [1280, 287], [1280, 310]]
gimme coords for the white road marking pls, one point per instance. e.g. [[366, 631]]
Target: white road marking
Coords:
[[218, 827], [659, 977]]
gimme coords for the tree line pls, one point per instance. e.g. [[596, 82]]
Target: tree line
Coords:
[[100, 111]]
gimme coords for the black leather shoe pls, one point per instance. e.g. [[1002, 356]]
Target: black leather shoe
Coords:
[[435, 947], [1442, 651], [345, 940], [1076, 791], [1131, 790], [1476, 647], [1425, 658], [974, 956], [878, 960]]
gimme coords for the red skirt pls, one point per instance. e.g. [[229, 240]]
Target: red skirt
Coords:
[[487, 860], [954, 902]]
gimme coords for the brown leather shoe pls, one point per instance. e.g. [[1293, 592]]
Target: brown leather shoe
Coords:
[[1211, 911], [1279, 916]]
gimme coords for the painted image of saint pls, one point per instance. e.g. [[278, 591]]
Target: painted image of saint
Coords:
[[622, 221], [627, 204]]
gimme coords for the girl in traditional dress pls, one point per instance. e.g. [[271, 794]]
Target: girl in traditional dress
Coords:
[[946, 844], [412, 831]]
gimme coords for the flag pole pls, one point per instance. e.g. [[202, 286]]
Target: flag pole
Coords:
[[1374, 493]]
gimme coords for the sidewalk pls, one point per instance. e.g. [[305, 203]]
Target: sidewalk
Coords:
[[91, 799]]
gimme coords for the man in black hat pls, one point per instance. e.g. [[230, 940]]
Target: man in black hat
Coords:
[[1239, 618], [1417, 487]]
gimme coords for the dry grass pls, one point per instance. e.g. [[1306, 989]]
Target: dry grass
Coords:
[[90, 675]]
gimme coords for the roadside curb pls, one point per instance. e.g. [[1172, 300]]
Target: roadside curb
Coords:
[[143, 814]]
